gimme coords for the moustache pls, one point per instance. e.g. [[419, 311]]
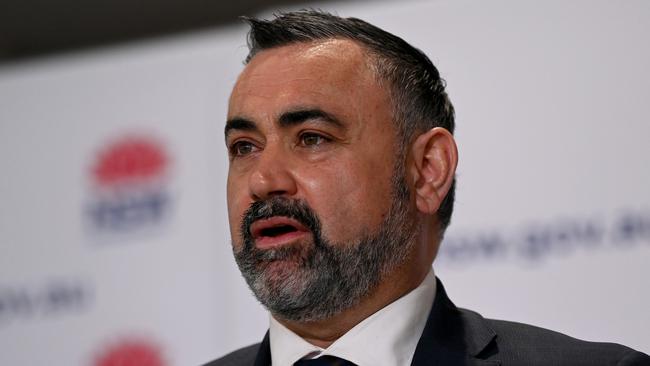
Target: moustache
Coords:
[[295, 209]]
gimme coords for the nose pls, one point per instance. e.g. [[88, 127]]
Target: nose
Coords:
[[272, 175]]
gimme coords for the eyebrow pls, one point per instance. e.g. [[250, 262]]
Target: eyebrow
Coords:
[[239, 123], [287, 119], [302, 115]]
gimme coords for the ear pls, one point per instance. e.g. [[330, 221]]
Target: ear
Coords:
[[433, 167]]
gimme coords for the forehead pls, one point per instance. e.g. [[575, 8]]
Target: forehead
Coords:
[[335, 72]]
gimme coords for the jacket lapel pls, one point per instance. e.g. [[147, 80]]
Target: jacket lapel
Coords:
[[454, 337], [264, 352]]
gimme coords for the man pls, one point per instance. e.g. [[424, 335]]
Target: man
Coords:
[[340, 187]]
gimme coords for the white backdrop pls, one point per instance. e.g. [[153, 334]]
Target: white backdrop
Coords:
[[552, 221]]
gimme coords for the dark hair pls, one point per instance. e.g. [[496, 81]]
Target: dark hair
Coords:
[[417, 92]]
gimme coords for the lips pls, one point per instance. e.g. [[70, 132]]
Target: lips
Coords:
[[277, 231]]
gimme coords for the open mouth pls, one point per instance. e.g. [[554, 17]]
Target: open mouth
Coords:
[[276, 231]]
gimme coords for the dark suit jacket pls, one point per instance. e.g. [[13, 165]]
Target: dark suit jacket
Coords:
[[454, 336]]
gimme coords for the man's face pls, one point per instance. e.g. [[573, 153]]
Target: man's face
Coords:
[[311, 185]]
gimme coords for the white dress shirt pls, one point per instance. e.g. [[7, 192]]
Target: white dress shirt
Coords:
[[386, 338]]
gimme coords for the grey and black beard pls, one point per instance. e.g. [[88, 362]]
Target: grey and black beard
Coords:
[[318, 278]]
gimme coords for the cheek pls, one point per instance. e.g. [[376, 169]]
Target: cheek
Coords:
[[236, 208], [350, 200], [234, 221]]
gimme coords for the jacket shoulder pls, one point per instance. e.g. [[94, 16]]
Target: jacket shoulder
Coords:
[[241, 357], [524, 344]]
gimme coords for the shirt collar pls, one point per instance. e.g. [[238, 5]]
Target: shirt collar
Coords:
[[386, 338]]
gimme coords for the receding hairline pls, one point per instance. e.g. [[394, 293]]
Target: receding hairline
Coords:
[[371, 59], [361, 64], [370, 56]]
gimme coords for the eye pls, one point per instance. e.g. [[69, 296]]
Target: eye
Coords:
[[312, 139], [242, 148]]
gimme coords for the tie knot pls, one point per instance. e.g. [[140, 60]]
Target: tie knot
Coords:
[[324, 361]]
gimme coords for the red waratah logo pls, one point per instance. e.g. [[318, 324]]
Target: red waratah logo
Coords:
[[131, 353], [135, 159], [129, 185]]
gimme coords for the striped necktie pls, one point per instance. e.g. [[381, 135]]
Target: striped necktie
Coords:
[[324, 361]]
